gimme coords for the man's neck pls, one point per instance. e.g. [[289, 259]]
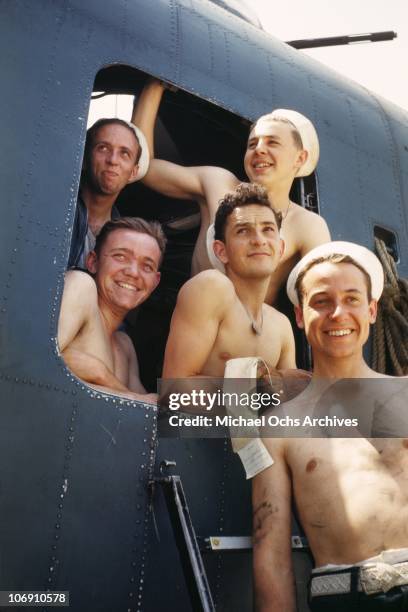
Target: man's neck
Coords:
[[349, 367], [251, 292], [111, 319], [279, 196], [99, 207]]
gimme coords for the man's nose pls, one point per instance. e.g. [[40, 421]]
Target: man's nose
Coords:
[[113, 157], [338, 310], [260, 146], [132, 269], [258, 237]]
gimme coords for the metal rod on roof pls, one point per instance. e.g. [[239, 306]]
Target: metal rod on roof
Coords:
[[308, 43]]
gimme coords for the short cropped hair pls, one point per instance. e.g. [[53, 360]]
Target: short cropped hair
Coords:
[[335, 258], [151, 228], [245, 194], [94, 129], [297, 139]]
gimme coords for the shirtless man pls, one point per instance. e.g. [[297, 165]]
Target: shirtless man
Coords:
[[124, 265], [116, 154], [219, 317], [350, 493], [281, 146]]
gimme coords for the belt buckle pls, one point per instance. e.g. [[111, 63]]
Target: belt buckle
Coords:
[[330, 584]]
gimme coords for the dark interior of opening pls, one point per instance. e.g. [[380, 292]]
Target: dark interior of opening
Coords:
[[189, 131]]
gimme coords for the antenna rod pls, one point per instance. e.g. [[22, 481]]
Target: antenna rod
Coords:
[[309, 43]]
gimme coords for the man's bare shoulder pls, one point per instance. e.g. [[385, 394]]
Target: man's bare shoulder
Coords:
[[79, 306], [375, 374], [80, 290], [276, 316], [209, 280], [306, 217], [76, 279], [309, 229], [208, 291]]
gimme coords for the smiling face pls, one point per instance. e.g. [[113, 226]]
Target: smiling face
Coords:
[[126, 270], [112, 159], [252, 246], [272, 155], [336, 312]]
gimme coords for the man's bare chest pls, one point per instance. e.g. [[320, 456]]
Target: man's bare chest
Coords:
[[344, 458], [237, 338]]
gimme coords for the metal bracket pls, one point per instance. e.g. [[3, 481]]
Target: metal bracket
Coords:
[[242, 543], [186, 540]]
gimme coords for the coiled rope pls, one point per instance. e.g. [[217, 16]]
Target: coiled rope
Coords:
[[390, 340]]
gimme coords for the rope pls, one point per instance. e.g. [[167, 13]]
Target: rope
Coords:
[[390, 341]]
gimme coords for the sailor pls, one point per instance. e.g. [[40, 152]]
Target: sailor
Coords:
[[116, 154], [281, 146], [350, 492], [223, 316], [124, 268]]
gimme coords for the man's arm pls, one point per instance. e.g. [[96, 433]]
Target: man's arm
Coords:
[[287, 359], [79, 301], [79, 304], [272, 557], [201, 305], [314, 231], [189, 182], [146, 108], [174, 180], [92, 370]]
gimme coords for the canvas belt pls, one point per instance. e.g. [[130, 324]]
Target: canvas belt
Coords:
[[377, 578]]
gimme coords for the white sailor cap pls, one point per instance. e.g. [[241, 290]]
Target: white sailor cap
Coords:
[[144, 155], [365, 258], [215, 262], [306, 130]]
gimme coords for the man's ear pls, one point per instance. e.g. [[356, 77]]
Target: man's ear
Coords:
[[372, 311], [158, 277], [220, 251], [133, 175], [282, 247], [92, 262], [299, 317], [301, 159]]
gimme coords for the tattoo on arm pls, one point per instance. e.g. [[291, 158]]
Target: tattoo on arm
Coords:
[[260, 515]]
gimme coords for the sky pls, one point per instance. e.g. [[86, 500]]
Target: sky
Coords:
[[381, 67]]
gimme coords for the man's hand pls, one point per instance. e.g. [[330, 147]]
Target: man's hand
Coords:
[[146, 398], [287, 382]]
